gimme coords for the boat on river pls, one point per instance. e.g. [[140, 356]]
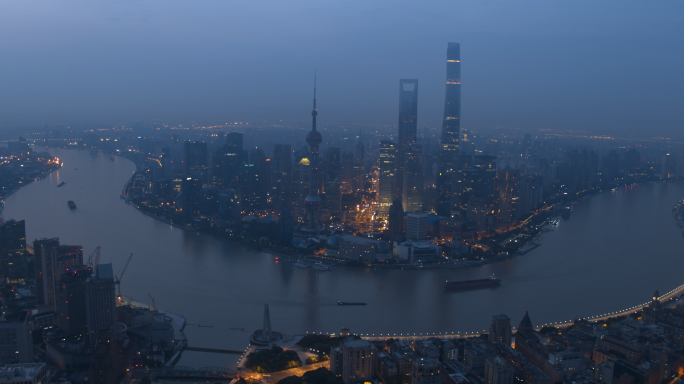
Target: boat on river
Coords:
[[463, 285], [61, 184], [302, 264], [343, 303], [71, 204], [322, 267]]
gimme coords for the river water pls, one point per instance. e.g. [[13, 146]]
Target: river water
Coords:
[[615, 250]]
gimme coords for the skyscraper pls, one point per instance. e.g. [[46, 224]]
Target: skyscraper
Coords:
[[412, 191], [447, 203], [408, 119], [100, 301], [195, 159], [282, 173], [313, 200], [13, 252], [388, 152], [42, 260], [71, 301]]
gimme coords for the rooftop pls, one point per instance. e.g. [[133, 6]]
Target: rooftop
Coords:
[[14, 372]]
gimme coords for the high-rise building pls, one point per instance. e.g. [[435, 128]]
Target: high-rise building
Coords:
[[227, 162], [195, 159], [191, 195], [395, 221], [100, 301], [16, 343], [416, 225], [333, 176], [358, 360], [507, 196], [408, 120], [347, 173], [30, 373], [45, 272], [252, 188], [71, 300], [312, 202], [425, 371], [500, 330], [13, 252], [447, 203], [167, 162], [108, 363], [486, 166], [412, 191], [282, 174], [301, 174], [386, 190]]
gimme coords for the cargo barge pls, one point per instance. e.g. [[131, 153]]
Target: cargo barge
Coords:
[[472, 284]]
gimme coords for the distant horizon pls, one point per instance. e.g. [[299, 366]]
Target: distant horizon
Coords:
[[604, 68]]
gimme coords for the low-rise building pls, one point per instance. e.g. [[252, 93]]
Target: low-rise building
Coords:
[[32, 373], [425, 371]]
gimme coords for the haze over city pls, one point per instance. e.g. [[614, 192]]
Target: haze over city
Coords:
[[602, 67]]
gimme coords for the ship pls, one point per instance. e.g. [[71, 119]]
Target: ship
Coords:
[[302, 264], [61, 184], [320, 266], [472, 284], [71, 204], [343, 303]]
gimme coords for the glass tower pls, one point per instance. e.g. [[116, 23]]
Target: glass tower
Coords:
[[447, 200], [408, 118]]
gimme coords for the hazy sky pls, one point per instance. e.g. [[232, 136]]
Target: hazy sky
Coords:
[[607, 66]]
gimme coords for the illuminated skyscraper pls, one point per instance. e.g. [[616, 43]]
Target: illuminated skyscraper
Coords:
[[412, 191], [388, 152], [447, 201], [313, 200], [408, 117]]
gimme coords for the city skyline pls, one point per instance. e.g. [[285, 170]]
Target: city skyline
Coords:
[[555, 68]]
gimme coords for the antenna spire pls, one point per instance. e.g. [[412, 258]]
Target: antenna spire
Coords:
[[314, 89]]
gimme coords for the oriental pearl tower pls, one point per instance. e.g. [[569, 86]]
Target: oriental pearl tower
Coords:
[[313, 200]]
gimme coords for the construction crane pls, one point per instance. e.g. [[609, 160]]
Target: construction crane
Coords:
[[154, 306], [96, 255], [118, 278]]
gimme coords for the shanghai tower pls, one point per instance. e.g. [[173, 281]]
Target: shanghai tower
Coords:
[[447, 195]]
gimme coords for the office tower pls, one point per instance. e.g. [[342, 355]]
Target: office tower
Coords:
[[252, 190], [16, 343], [632, 160], [447, 204], [71, 300], [227, 162], [108, 362], [333, 164], [486, 167], [347, 173], [425, 371], [259, 159], [500, 330], [42, 260], [13, 252], [100, 301], [209, 204], [191, 195], [313, 200], [408, 119], [388, 152], [230, 205], [195, 159], [395, 222], [412, 191], [301, 174], [360, 151], [282, 174], [358, 360], [507, 195], [527, 146], [416, 225]]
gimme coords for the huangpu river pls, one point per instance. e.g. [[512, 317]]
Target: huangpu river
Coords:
[[615, 250]]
